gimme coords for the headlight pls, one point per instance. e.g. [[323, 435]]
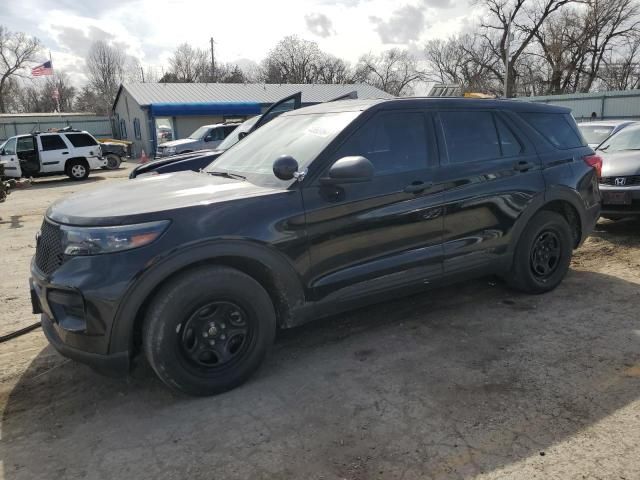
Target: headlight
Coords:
[[170, 150], [96, 240]]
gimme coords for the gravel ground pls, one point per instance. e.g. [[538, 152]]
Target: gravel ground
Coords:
[[472, 381]]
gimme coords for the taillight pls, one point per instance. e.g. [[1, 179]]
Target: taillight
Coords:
[[594, 161]]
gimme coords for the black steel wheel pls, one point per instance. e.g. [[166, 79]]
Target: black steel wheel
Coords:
[[215, 334], [545, 255], [208, 330], [542, 256]]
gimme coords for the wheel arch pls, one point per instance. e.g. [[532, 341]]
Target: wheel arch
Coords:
[[562, 200], [265, 265]]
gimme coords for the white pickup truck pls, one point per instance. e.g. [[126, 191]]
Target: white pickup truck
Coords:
[[70, 152]]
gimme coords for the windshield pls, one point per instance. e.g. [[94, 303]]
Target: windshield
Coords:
[[301, 136], [199, 133], [627, 139], [595, 133], [234, 136]]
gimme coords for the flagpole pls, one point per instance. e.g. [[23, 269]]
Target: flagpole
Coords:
[[55, 85]]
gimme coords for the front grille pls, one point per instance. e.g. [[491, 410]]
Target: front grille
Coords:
[[628, 181], [49, 253]]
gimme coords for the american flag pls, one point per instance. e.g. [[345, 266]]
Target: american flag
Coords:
[[45, 69]]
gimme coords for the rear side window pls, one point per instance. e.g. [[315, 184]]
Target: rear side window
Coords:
[[509, 143], [52, 142], [393, 142], [555, 127], [81, 140], [470, 136]]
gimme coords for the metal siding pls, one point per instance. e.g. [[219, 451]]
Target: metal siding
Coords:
[[622, 106], [617, 104], [150, 93]]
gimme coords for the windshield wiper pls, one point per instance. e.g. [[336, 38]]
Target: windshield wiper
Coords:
[[227, 175]]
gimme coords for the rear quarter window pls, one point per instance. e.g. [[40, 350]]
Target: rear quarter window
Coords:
[[81, 140], [557, 128]]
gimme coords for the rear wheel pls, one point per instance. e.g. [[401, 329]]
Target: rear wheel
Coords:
[[113, 161], [208, 330], [77, 169], [543, 254]]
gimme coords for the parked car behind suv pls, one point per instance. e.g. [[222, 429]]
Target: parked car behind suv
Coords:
[[207, 136], [70, 152], [597, 132], [620, 181], [323, 209]]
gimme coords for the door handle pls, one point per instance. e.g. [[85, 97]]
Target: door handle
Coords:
[[65, 153], [417, 187], [523, 166]]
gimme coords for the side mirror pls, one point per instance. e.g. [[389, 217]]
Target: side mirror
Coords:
[[349, 170], [241, 135], [208, 138], [285, 167]]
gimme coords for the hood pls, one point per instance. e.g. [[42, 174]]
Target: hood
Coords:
[[177, 143], [620, 164], [150, 198]]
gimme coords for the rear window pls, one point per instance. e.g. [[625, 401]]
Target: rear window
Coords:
[[52, 142], [594, 133], [81, 139], [555, 127]]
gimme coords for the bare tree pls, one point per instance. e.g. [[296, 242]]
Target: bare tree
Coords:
[[393, 71], [525, 18], [621, 70], [190, 65], [608, 22], [292, 60], [466, 60], [86, 100], [17, 50], [106, 70], [332, 69], [57, 93]]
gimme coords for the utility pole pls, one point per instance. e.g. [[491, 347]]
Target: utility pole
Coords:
[[507, 55], [213, 62]]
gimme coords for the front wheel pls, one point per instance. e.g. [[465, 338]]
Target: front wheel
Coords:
[[113, 161], [543, 254], [208, 330], [77, 169]]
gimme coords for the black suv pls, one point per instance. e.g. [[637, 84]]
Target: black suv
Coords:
[[324, 209]]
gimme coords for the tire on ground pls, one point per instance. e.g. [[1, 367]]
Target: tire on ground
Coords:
[[522, 275], [113, 161], [178, 300], [77, 169]]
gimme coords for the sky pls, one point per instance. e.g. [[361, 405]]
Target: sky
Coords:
[[243, 30]]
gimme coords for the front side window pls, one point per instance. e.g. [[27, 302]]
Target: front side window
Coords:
[[52, 142], [25, 144], [303, 137], [81, 139], [470, 136], [10, 147], [393, 142], [200, 133]]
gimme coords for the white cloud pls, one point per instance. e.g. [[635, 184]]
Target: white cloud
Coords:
[[150, 30]]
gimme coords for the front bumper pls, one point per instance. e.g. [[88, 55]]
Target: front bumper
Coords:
[[632, 192], [97, 162], [77, 316], [110, 364]]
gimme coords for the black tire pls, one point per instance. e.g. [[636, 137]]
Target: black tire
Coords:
[[77, 169], [180, 317], [547, 242], [113, 161]]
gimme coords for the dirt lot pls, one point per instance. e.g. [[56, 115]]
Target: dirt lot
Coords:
[[466, 382]]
